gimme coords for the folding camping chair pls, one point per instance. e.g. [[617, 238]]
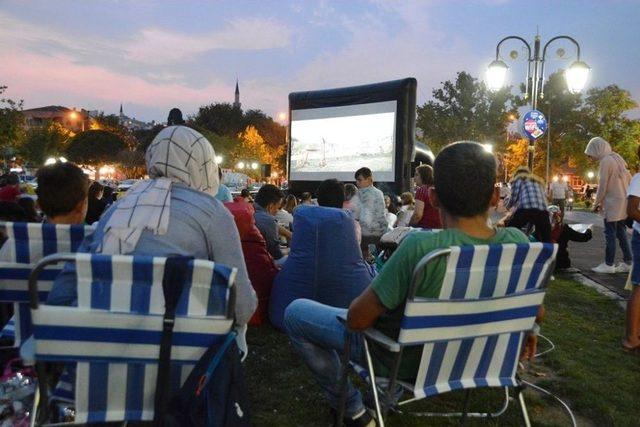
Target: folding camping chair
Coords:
[[114, 334], [471, 336], [28, 243]]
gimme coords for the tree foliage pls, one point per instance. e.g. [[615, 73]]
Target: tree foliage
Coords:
[[11, 124], [465, 110], [43, 142], [253, 147], [220, 118], [573, 120], [605, 115], [95, 147], [225, 126]]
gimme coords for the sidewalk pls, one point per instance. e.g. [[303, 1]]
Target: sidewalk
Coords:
[[585, 256]]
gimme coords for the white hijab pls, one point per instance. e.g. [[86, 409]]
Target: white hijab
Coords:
[[599, 148], [176, 154]]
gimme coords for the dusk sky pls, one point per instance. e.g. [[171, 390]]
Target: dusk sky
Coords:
[[154, 55]]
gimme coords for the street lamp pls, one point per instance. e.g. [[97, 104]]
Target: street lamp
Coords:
[[219, 159], [496, 74], [254, 166], [240, 165], [590, 175], [576, 76]]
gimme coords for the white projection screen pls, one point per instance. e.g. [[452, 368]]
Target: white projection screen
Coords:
[[333, 142]]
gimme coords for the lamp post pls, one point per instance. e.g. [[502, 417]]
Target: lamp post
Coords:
[[576, 75]]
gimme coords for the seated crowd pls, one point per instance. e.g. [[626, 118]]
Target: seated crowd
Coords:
[[184, 209]]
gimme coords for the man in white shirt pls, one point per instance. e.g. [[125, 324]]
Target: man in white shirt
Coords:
[[558, 192]]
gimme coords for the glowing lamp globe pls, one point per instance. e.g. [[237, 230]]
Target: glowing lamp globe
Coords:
[[496, 74], [577, 76]]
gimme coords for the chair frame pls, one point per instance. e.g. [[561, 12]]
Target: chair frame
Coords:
[[389, 400], [41, 400]]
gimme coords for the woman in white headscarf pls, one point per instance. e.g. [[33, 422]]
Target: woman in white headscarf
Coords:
[[612, 199], [173, 213]]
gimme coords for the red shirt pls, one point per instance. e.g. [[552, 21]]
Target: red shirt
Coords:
[[430, 215], [8, 193]]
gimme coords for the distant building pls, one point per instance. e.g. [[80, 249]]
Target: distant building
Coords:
[[132, 123], [74, 120], [236, 102]]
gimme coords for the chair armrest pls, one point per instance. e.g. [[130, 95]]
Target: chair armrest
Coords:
[[374, 335]]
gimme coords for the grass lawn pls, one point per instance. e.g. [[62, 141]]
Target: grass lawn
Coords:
[[588, 370]]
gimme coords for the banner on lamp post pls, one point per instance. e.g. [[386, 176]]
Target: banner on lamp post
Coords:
[[534, 124]]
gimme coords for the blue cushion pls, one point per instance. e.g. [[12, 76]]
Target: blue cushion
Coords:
[[325, 263]]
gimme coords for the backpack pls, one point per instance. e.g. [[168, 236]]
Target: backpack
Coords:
[[214, 394]]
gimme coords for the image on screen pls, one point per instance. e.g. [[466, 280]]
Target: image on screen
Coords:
[[333, 142]]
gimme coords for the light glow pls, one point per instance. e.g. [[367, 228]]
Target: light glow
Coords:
[[496, 74], [577, 76]]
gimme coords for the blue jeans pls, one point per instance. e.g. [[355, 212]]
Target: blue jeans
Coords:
[[635, 249], [613, 229], [319, 338]]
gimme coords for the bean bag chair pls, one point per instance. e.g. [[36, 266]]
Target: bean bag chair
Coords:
[[324, 264], [259, 263]]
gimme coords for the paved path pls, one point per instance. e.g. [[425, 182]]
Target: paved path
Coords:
[[585, 256]]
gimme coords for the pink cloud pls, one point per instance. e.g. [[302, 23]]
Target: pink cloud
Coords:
[[40, 80]]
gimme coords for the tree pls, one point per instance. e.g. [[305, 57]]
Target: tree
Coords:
[[95, 147], [144, 137], [605, 115], [252, 146], [466, 110], [43, 142], [221, 118], [11, 125]]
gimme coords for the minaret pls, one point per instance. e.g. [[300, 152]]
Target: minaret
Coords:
[[121, 109], [236, 103]]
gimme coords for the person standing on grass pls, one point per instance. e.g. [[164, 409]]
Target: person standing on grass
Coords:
[[424, 214], [632, 340], [612, 198], [370, 210]]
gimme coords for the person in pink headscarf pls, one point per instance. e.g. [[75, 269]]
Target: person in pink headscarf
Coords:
[[612, 199]]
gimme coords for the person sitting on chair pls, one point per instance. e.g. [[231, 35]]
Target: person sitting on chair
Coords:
[[464, 201]]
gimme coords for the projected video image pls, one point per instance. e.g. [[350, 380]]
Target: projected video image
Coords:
[[334, 142]]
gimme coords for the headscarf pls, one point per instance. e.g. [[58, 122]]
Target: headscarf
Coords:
[[177, 154], [599, 148]]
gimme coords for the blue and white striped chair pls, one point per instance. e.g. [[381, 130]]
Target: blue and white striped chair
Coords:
[[114, 333], [472, 335], [28, 243]]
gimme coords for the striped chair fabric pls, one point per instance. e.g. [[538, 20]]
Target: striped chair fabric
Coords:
[[114, 333], [471, 336], [28, 243]]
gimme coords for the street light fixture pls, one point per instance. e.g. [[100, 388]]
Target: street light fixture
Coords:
[[219, 159], [576, 76], [590, 175], [254, 166], [240, 165], [496, 74]]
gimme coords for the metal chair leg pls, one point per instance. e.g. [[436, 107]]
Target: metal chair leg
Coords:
[[374, 387], [523, 408], [465, 407]]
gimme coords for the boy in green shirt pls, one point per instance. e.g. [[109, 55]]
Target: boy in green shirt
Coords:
[[464, 178]]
